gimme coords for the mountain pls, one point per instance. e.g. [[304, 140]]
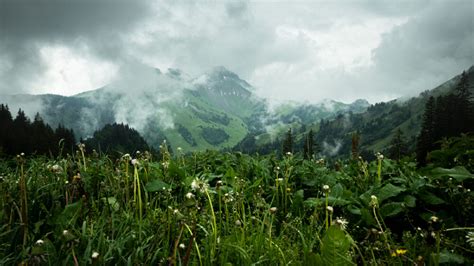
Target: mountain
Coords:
[[215, 110], [378, 124]]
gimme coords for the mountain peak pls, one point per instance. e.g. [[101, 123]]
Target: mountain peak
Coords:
[[220, 72]]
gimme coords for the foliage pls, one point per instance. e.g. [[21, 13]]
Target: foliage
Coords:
[[231, 208]]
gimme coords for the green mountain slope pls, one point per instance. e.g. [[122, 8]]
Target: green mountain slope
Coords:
[[217, 110], [379, 123]]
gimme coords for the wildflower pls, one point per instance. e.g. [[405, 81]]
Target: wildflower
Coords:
[[279, 180], [65, 232], [175, 211], [228, 198], [379, 156], [138, 152], [289, 154], [373, 201], [326, 189], [238, 223], [77, 177], [330, 209], [135, 162], [219, 183], [470, 238], [341, 222], [288, 189], [399, 252], [189, 195], [95, 255], [434, 219], [182, 246], [165, 165], [277, 168], [179, 149], [56, 168], [273, 210], [39, 242], [199, 185]]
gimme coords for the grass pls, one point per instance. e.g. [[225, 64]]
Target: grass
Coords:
[[224, 209]]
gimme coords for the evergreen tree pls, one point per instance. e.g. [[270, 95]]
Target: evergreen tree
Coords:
[[308, 148], [355, 145], [426, 139], [6, 122], [21, 128], [398, 147], [288, 142], [65, 138], [464, 112]]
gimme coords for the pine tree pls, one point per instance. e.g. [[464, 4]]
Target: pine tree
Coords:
[[355, 145], [22, 138], [464, 112], [398, 147], [288, 143], [426, 139], [6, 122], [308, 148]]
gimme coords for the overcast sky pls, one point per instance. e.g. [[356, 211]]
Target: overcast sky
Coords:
[[295, 50]]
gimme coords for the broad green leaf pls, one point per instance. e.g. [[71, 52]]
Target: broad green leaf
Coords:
[[156, 185], [430, 198], [335, 247], [459, 173], [113, 203], [409, 201], [391, 209], [450, 258], [389, 191]]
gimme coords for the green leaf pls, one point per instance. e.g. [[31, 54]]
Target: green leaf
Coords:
[[156, 185], [409, 201], [113, 203], [450, 258], [314, 202], [389, 191], [335, 247], [459, 173], [430, 198], [391, 209]]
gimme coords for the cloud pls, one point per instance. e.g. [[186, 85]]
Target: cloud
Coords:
[[302, 51], [92, 29]]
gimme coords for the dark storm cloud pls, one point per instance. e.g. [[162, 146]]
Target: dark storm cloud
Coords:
[[428, 49], [27, 25]]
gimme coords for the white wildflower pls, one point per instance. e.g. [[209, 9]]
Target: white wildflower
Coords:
[[341, 222], [273, 210], [95, 255]]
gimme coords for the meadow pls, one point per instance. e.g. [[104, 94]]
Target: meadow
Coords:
[[218, 208]]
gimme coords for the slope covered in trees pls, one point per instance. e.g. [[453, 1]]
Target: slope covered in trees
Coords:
[[20, 135]]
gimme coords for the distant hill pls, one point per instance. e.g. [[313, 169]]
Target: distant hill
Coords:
[[379, 123], [216, 110]]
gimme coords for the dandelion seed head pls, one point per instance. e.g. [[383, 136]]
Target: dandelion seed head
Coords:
[[273, 210]]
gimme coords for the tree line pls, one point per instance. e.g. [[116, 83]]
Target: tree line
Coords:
[[445, 116], [21, 135]]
